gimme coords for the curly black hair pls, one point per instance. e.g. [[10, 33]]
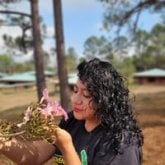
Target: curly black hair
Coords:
[[113, 104]]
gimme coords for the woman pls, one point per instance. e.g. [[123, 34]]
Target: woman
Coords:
[[102, 123]]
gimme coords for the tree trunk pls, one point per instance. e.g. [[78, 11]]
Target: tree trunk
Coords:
[[62, 72], [38, 52]]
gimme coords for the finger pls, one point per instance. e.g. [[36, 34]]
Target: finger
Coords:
[[57, 130]]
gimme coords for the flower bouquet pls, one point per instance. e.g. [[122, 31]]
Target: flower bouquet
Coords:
[[39, 121]]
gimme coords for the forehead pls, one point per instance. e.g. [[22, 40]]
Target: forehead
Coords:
[[81, 85]]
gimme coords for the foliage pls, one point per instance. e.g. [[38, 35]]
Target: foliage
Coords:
[[6, 63], [149, 48], [71, 59], [127, 12], [14, 18], [126, 68], [5, 2], [146, 50], [23, 67], [23, 42], [98, 46]]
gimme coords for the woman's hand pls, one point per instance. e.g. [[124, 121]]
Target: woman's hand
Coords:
[[63, 139], [65, 145]]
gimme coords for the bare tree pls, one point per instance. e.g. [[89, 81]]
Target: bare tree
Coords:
[[38, 52], [61, 61]]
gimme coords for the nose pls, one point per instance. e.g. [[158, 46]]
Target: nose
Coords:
[[76, 99]]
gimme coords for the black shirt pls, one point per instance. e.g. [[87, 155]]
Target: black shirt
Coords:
[[91, 143]]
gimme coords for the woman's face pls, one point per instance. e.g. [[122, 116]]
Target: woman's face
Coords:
[[82, 102]]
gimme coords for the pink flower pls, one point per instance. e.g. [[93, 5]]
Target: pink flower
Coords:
[[59, 111], [47, 111], [27, 114], [45, 96], [52, 108]]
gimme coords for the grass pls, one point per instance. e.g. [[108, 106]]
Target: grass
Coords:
[[13, 114]]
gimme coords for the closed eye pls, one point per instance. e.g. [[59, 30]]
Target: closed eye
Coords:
[[75, 89], [86, 94]]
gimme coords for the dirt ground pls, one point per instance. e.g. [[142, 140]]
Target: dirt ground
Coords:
[[149, 107]]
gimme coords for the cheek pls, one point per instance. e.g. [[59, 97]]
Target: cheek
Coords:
[[89, 108], [74, 98]]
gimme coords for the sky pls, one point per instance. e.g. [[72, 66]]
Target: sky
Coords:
[[81, 19]]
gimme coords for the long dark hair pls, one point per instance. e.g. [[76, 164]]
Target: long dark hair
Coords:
[[113, 105]]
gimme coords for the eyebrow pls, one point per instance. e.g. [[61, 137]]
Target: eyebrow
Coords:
[[84, 88]]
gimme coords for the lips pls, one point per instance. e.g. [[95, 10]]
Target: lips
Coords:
[[75, 109]]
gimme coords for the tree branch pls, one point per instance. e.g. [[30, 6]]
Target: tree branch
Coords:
[[15, 12], [139, 6]]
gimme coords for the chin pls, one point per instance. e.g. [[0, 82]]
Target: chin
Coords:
[[78, 116]]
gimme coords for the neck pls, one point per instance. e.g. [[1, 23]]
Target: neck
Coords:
[[91, 124]]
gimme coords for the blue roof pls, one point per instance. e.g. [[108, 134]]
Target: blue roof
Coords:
[[2, 74], [151, 73], [46, 72], [19, 78], [23, 77], [72, 78]]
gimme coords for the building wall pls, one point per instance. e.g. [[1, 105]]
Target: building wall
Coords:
[[150, 80]]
